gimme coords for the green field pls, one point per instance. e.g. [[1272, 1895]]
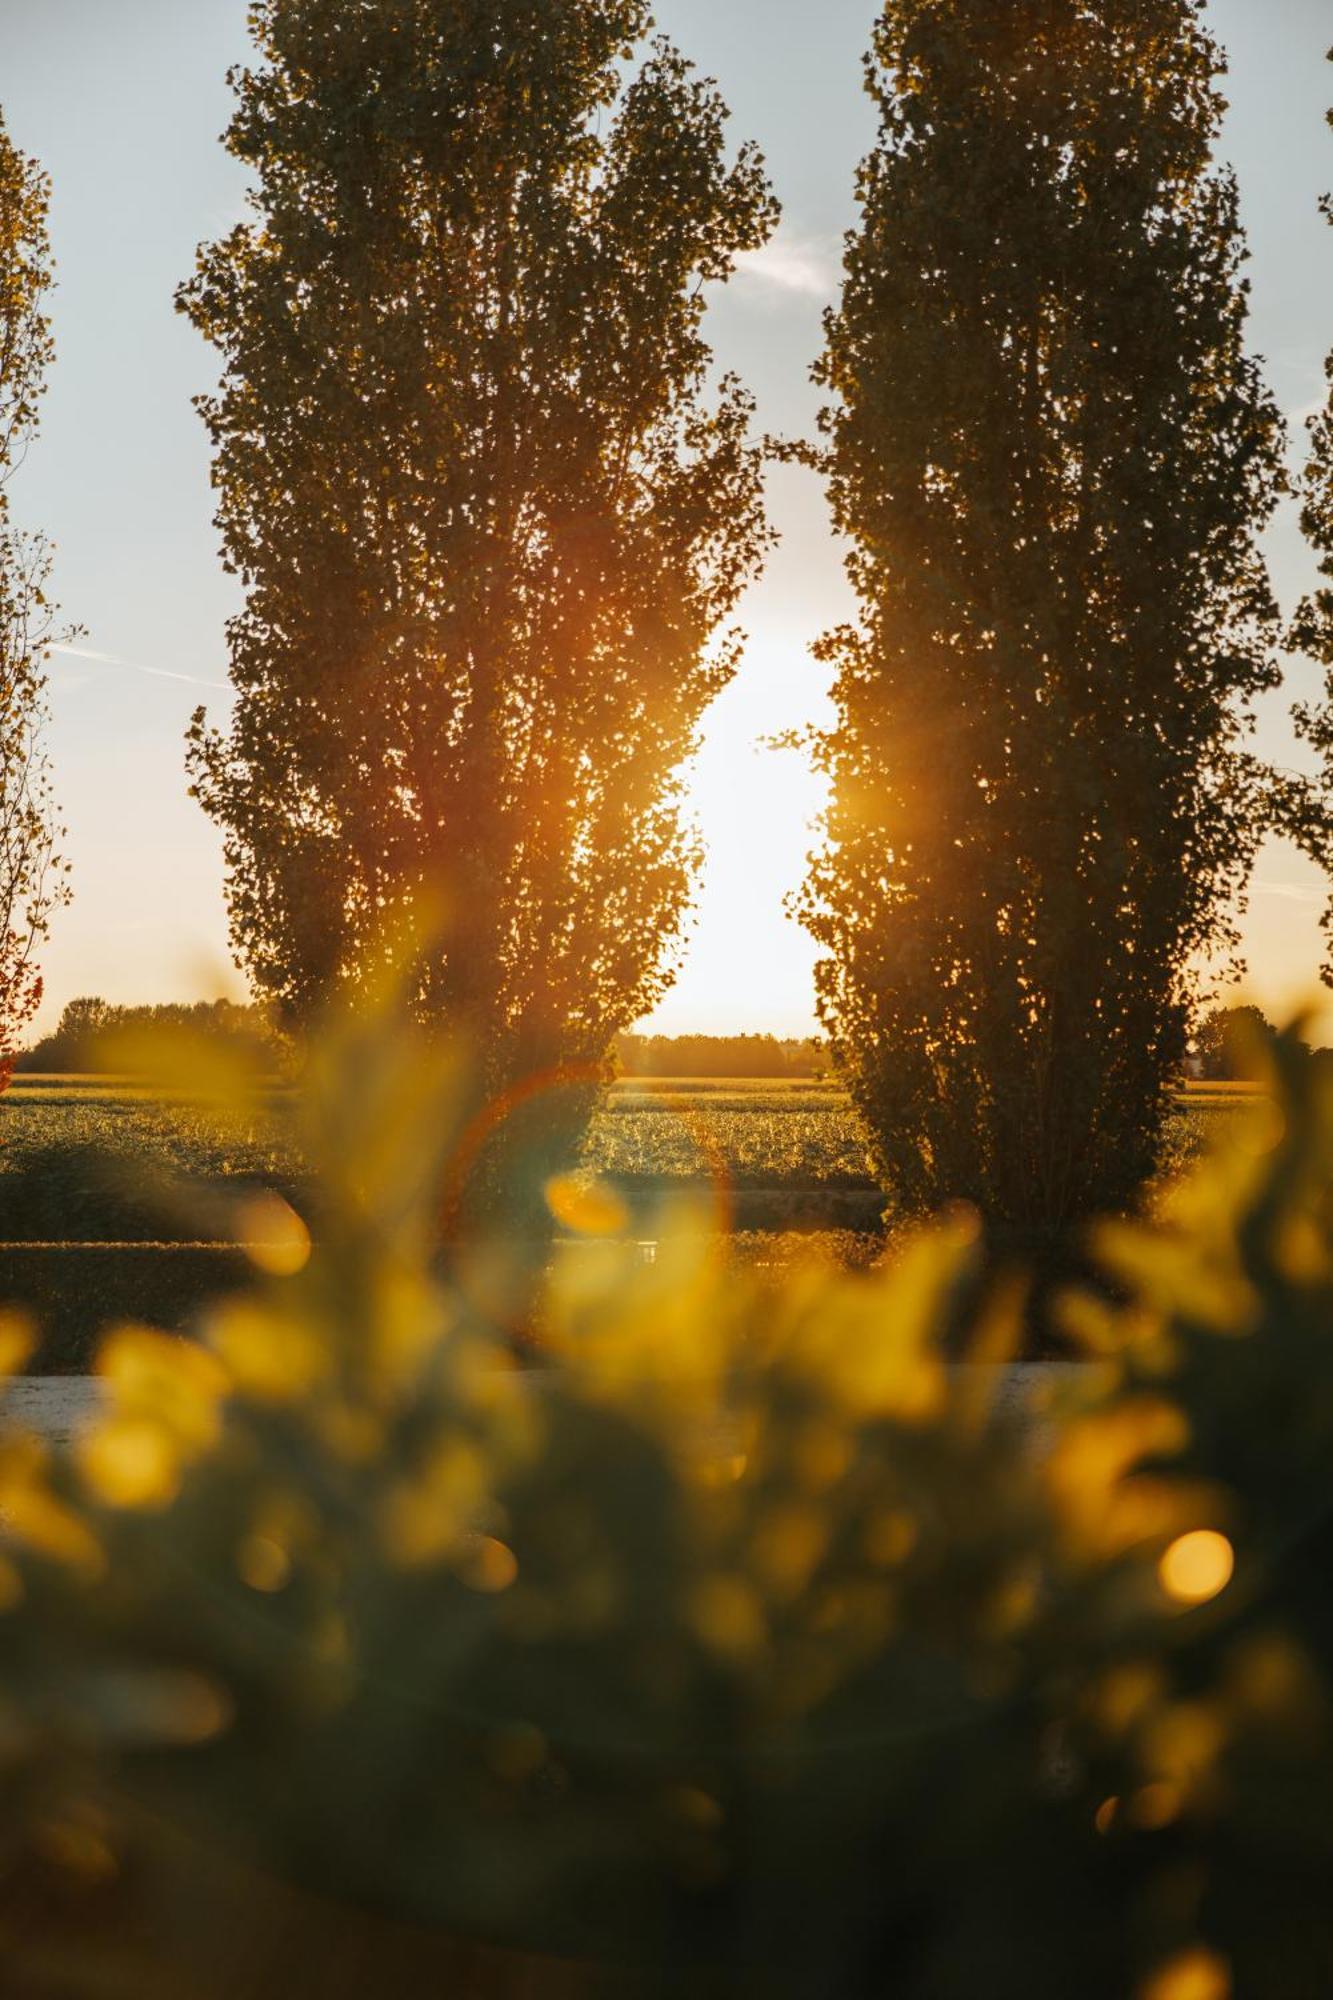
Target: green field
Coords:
[[117, 1204], [757, 1135]]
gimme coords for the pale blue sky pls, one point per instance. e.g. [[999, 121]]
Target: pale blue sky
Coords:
[[123, 101]]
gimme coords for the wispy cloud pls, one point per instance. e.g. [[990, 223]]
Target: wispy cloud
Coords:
[[137, 667], [791, 263], [1290, 892]]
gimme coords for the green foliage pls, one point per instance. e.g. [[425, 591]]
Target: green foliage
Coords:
[[746, 1644], [32, 876], [488, 512], [1052, 457], [75, 1189]]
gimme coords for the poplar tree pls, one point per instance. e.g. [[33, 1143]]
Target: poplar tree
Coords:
[[32, 876], [1313, 629], [1052, 457], [489, 515]]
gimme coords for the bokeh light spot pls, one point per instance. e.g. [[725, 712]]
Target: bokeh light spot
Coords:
[[131, 1462], [264, 1564], [1196, 1974], [276, 1240], [1197, 1566], [490, 1567], [17, 1341], [1156, 1806]]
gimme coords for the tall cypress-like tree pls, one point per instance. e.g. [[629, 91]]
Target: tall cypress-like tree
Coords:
[[1313, 629], [1052, 457], [33, 878], [489, 516]]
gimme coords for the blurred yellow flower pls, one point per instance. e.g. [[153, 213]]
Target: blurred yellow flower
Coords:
[[271, 1359], [176, 1383], [131, 1462], [728, 1616]]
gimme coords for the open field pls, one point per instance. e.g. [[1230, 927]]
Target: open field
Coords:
[[117, 1204], [68, 1132]]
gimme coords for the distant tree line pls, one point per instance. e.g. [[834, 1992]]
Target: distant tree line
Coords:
[[720, 1055], [1227, 1045], [1231, 1044], [74, 1043]]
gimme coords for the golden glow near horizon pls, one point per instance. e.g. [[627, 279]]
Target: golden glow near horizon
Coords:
[[744, 965], [119, 476]]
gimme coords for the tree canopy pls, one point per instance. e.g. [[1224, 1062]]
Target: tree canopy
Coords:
[[1313, 629], [1052, 456], [1231, 1044], [32, 876], [489, 514]]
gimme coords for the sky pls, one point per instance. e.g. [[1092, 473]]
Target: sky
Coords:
[[123, 102]]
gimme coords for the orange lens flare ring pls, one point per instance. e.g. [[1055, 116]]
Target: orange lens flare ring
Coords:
[[527, 1091], [488, 1121]]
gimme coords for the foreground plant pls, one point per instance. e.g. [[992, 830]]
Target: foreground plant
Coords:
[[742, 1645]]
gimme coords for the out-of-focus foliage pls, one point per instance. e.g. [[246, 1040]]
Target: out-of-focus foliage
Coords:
[[32, 876], [741, 1642], [490, 512], [1053, 456]]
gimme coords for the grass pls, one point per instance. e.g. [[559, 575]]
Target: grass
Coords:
[[757, 1139], [113, 1115], [72, 1134]]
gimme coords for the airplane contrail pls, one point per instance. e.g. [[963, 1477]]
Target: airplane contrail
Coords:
[[137, 667]]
